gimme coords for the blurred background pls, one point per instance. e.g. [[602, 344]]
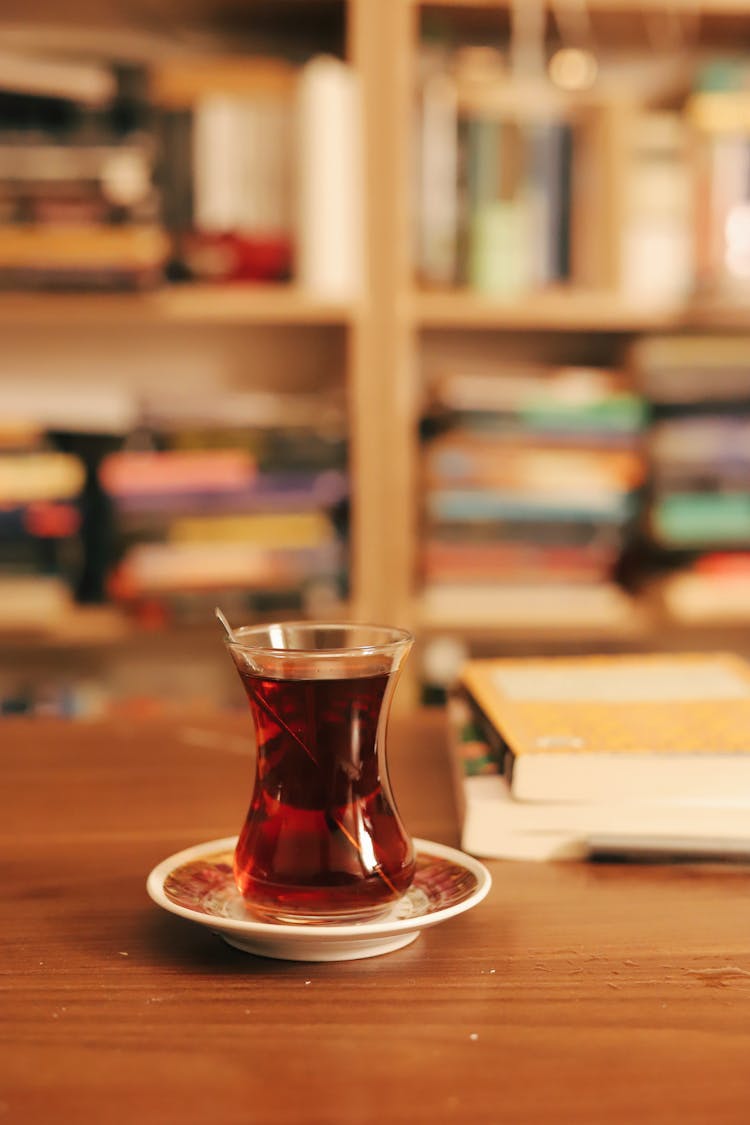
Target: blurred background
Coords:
[[434, 314]]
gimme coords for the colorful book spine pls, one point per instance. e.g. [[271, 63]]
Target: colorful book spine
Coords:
[[267, 492], [38, 476], [269, 529], [151, 568], [177, 471]]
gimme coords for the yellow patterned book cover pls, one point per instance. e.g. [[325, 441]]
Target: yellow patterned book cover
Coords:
[[584, 728]]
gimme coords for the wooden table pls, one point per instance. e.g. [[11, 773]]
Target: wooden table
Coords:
[[574, 993]]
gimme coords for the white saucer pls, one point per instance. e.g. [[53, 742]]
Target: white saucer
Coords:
[[198, 884]]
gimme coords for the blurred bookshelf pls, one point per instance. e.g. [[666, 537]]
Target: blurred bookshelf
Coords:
[[186, 375], [189, 304], [329, 219], [575, 206]]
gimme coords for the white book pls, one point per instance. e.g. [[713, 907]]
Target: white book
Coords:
[[329, 180], [497, 826], [218, 163], [63, 404], [82, 82]]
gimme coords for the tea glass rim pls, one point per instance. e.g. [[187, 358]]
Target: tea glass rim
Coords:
[[396, 639]]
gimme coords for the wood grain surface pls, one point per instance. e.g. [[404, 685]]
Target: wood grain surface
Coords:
[[574, 993]]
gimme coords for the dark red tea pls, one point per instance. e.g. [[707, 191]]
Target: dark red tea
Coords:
[[322, 838]]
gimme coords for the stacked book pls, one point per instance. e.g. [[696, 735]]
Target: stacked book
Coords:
[[532, 485], [699, 513], [78, 202], [40, 522], [241, 498], [57, 520], [630, 756]]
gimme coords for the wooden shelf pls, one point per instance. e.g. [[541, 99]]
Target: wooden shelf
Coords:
[[93, 627], [553, 310], [97, 627], [637, 7], [649, 624], [82, 627], [500, 634], [717, 314], [564, 310], [251, 304], [636, 626], [179, 304]]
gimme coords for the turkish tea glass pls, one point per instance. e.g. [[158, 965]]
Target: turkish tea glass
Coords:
[[322, 841]]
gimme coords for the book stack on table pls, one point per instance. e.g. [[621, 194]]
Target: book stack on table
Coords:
[[604, 755]]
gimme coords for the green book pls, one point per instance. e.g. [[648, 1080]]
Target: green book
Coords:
[[695, 519], [498, 244]]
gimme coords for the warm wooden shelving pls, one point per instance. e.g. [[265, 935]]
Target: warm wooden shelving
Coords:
[[501, 633], [560, 310], [631, 623], [95, 627], [555, 310], [194, 304], [567, 310], [249, 304], [724, 315], [620, 7], [83, 627], [385, 340], [101, 627], [649, 626]]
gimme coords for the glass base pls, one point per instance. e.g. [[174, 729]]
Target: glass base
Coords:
[[285, 916]]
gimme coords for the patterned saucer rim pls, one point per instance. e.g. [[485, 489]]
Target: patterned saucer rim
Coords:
[[385, 927]]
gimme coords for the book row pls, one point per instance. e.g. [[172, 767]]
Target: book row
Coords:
[[636, 183], [209, 169], [164, 517], [584, 477]]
